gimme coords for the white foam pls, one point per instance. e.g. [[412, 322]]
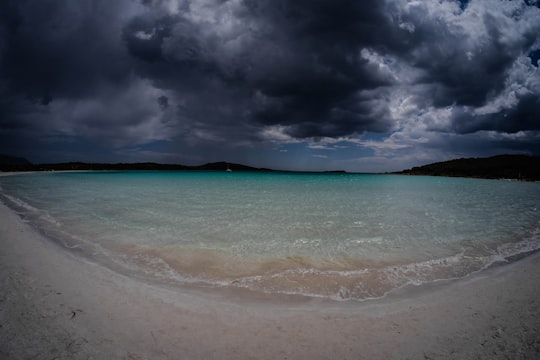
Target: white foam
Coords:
[[368, 240], [20, 203], [527, 245]]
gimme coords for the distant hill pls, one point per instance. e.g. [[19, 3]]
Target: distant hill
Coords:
[[13, 163], [520, 167], [224, 166]]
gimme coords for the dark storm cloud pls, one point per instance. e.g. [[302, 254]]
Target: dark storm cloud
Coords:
[[523, 116], [461, 69], [64, 72], [250, 71], [312, 73], [53, 56], [59, 49], [302, 64], [163, 101], [144, 35], [289, 63]]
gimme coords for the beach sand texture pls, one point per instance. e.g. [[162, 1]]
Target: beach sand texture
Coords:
[[56, 305]]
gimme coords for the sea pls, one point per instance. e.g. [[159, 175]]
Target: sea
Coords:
[[336, 236]]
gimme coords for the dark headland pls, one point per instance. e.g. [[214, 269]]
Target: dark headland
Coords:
[[516, 167], [11, 163]]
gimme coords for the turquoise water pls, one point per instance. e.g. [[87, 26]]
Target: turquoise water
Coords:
[[340, 236]]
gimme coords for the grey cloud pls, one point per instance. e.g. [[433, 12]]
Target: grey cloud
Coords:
[[299, 64], [312, 69], [163, 101], [302, 57], [523, 116], [463, 70], [57, 49], [144, 35], [230, 69]]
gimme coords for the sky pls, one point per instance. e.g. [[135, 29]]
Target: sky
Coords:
[[366, 86]]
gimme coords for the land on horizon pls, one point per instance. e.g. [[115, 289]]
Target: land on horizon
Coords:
[[517, 167]]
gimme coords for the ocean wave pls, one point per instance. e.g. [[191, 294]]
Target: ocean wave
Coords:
[[307, 277], [529, 244], [30, 212], [366, 284], [18, 203]]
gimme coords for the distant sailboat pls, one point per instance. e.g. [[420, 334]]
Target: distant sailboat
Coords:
[[228, 168]]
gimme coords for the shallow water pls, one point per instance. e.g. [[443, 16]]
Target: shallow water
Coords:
[[339, 236]]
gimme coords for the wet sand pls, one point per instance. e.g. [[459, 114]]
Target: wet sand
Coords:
[[57, 305]]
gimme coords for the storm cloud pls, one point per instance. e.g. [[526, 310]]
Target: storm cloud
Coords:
[[365, 85]]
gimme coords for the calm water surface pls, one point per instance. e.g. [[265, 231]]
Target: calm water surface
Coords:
[[339, 236]]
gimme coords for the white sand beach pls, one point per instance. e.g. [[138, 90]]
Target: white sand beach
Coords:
[[57, 305]]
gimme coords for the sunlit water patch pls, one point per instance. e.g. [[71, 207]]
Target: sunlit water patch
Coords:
[[339, 236]]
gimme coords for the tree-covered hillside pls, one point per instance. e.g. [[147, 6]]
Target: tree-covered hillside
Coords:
[[520, 167]]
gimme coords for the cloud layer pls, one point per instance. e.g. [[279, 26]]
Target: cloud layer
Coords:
[[362, 85]]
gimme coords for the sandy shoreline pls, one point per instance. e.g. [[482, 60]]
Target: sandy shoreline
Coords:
[[55, 305]]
